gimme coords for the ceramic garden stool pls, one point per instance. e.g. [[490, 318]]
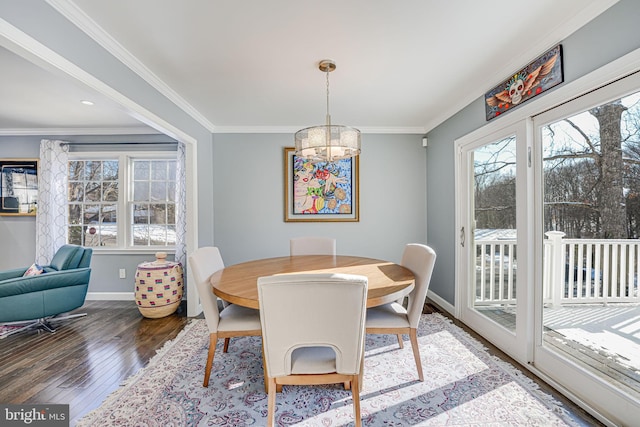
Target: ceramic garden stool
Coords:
[[159, 287]]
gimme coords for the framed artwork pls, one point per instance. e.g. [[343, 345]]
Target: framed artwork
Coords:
[[18, 186], [323, 191], [537, 77]]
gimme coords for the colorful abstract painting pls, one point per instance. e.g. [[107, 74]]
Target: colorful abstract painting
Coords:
[[537, 77], [323, 191]]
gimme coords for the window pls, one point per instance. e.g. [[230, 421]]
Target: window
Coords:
[[122, 201]]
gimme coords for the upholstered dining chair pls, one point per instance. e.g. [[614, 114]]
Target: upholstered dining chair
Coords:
[[394, 318], [313, 332], [233, 320], [312, 246]]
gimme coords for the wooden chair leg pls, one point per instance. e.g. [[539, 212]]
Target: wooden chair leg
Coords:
[[413, 334], [271, 402], [355, 396], [213, 339], [226, 345], [400, 341]]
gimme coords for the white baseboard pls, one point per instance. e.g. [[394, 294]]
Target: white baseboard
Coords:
[[441, 303], [110, 296]]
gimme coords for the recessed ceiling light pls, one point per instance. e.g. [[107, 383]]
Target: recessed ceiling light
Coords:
[[85, 102]]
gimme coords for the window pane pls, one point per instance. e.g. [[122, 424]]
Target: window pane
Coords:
[[141, 213], [76, 191], [93, 192], [141, 191], [75, 235], [141, 170], [92, 236], [158, 235], [93, 170], [140, 235], [75, 214], [172, 170], [158, 191], [110, 191], [76, 169], [110, 170], [171, 191], [171, 213], [158, 214], [91, 214], [171, 235], [109, 225], [159, 170]]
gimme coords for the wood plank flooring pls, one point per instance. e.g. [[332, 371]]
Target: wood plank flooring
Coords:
[[89, 357], [86, 359]]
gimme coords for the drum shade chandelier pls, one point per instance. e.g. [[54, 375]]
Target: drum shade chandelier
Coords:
[[327, 143]]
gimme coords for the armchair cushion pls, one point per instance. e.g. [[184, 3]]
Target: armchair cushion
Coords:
[[67, 257]]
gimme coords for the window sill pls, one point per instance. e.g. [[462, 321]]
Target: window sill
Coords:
[[142, 251]]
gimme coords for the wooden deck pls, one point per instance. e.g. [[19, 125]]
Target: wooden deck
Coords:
[[604, 339]]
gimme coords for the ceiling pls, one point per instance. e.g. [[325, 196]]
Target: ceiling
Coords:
[[252, 66]]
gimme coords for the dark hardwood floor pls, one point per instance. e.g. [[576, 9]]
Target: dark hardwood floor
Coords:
[[89, 357], [86, 359]]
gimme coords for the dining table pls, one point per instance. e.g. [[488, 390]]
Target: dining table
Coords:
[[387, 281]]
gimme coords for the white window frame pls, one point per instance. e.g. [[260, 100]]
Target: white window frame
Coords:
[[125, 196]]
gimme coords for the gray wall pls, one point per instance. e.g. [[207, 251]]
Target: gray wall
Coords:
[[609, 36], [248, 192]]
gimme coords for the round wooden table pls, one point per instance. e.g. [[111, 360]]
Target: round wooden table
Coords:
[[237, 283]]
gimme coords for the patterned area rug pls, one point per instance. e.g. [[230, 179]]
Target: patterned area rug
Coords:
[[464, 386], [9, 329]]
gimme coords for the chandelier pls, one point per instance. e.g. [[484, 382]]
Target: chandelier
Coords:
[[327, 143]]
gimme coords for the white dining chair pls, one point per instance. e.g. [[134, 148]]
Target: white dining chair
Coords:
[[312, 246], [394, 318], [313, 332], [233, 320]]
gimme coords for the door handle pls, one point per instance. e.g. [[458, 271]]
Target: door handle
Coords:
[[462, 237]]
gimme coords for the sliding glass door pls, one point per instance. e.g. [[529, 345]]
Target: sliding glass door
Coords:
[[588, 306], [493, 274], [548, 238]]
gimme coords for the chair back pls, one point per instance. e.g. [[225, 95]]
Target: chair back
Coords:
[[69, 257], [300, 311], [312, 246], [204, 262], [420, 259]]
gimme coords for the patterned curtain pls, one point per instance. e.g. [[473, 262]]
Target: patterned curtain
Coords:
[[51, 217], [181, 205]]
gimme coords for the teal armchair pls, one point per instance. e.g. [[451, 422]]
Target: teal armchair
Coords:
[[61, 287]]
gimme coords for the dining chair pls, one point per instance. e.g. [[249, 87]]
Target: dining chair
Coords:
[[233, 320], [312, 246], [394, 318], [313, 332]]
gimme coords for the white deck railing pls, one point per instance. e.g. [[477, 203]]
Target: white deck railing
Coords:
[[576, 271]]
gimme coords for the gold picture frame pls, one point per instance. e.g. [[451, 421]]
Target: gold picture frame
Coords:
[[321, 192]]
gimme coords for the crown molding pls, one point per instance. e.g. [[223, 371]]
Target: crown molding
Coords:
[[293, 129], [73, 13], [79, 131]]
